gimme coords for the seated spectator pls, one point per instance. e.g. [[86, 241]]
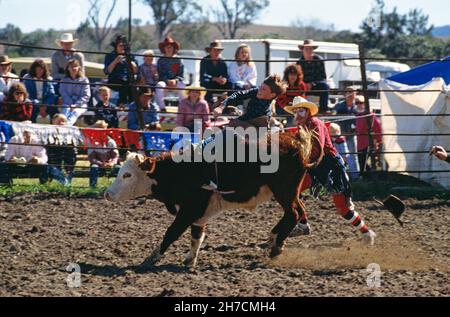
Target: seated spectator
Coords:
[[16, 106], [59, 156], [348, 127], [214, 71], [242, 72], [3, 146], [60, 59], [118, 70], [7, 79], [23, 157], [148, 71], [440, 153], [103, 159], [75, 92], [293, 77], [362, 130], [314, 70], [193, 107], [40, 90], [105, 110], [340, 143], [170, 71], [148, 108]]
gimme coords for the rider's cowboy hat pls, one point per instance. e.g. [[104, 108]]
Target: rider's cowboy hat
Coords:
[[214, 45], [394, 205], [308, 43], [66, 38], [300, 102], [169, 41]]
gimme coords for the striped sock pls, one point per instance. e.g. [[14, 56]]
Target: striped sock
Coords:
[[356, 221]]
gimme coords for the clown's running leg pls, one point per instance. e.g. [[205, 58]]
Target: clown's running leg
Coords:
[[346, 208]]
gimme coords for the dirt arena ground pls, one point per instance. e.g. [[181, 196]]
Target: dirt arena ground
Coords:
[[41, 234]]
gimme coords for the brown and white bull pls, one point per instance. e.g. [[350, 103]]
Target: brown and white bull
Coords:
[[181, 187]]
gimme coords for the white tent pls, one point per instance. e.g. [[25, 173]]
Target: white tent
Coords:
[[421, 102]]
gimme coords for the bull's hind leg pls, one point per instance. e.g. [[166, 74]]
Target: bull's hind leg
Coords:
[[197, 237], [288, 200]]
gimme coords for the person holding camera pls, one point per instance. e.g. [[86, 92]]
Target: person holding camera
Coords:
[[118, 70]]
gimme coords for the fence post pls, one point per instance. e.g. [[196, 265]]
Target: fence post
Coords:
[[362, 60]]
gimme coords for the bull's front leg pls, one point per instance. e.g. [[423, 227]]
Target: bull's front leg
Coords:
[[197, 237], [183, 220]]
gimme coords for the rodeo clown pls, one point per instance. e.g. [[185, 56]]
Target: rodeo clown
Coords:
[[330, 173]]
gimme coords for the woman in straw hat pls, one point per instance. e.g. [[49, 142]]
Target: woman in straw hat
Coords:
[[330, 173], [193, 107], [7, 79], [60, 58], [170, 71]]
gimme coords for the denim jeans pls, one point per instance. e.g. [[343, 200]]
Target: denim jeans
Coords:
[[97, 171], [323, 95]]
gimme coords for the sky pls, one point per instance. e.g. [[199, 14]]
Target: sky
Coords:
[[345, 14]]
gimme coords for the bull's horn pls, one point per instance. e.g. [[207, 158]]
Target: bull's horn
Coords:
[[148, 165]]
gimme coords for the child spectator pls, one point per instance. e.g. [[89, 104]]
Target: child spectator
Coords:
[[103, 159], [75, 92], [214, 71], [170, 71], [7, 78], [148, 72], [40, 90], [242, 72], [24, 156], [340, 143], [193, 107], [105, 110], [16, 106]]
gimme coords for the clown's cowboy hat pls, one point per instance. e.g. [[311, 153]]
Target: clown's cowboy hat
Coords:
[[66, 38], [308, 43], [169, 41], [300, 102]]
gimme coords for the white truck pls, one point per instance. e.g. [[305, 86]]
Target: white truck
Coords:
[[339, 73]]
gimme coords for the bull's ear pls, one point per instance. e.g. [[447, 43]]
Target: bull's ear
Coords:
[[139, 159]]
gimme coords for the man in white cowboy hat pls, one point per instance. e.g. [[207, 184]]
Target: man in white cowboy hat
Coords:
[[7, 79], [330, 172], [314, 72], [60, 58], [214, 71]]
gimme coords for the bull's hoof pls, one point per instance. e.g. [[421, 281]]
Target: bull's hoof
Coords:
[[151, 260], [275, 251], [190, 262]]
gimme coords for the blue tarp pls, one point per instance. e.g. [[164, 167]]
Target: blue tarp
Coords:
[[7, 130], [425, 73]]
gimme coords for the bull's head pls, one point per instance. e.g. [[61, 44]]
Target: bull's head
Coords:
[[134, 179]]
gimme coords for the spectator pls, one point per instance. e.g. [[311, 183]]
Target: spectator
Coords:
[[293, 77], [242, 72], [7, 79], [23, 157], [149, 111], [60, 155], [362, 130], [16, 106], [170, 70], [214, 71], [103, 159], [60, 59], [118, 70], [75, 92], [41, 90], [148, 72], [340, 143], [440, 153], [348, 127], [314, 70], [193, 107], [105, 110]]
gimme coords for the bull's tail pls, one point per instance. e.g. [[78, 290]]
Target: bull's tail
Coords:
[[306, 139]]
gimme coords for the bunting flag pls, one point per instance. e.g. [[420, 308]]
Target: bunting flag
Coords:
[[132, 139], [164, 141], [50, 134], [7, 130]]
